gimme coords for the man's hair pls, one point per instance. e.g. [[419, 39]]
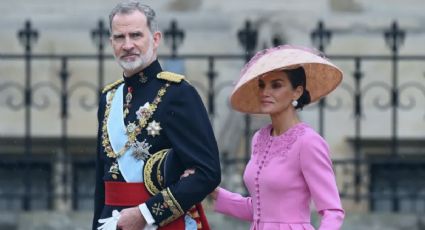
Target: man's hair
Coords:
[[129, 6]]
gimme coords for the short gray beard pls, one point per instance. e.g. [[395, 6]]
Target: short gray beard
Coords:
[[130, 66], [141, 61]]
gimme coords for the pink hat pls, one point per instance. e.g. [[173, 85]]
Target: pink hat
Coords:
[[321, 75]]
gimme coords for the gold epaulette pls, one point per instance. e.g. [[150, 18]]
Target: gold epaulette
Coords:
[[112, 85], [170, 76]]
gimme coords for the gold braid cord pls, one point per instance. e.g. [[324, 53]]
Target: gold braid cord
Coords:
[[143, 121], [112, 85], [148, 170], [105, 136], [170, 76], [159, 176]]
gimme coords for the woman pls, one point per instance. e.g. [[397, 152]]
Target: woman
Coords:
[[290, 163]]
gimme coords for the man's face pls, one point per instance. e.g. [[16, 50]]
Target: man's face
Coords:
[[135, 47]]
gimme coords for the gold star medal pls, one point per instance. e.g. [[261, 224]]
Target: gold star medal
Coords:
[[153, 128]]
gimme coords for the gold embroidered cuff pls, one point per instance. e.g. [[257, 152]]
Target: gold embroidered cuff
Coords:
[[172, 205]]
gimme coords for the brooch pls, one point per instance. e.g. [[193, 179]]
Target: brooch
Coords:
[[141, 150], [153, 128], [144, 111], [143, 78]]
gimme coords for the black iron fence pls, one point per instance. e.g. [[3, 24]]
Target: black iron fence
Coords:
[[33, 166]]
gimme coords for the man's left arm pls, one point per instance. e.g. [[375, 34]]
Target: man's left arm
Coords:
[[189, 130]]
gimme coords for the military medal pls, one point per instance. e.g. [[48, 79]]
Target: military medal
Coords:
[[114, 170], [153, 128], [141, 150], [133, 129], [143, 111], [128, 98]]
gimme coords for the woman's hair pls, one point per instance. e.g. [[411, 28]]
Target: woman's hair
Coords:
[[297, 78]]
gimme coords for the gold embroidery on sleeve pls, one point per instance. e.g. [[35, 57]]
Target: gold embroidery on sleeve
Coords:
[[173, 205], [158, 209], [148, 170]]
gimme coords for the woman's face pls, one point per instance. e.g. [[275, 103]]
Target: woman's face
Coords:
[[276, 92]]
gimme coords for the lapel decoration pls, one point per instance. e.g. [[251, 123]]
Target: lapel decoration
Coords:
[[153, 128], [143, 78]]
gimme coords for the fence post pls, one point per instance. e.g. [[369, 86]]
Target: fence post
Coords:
[[357, 114], [248, 39], [320, 38], [27, 36], [176, 35], [394, 37], [65, 159], [100, 35], [211, 74]]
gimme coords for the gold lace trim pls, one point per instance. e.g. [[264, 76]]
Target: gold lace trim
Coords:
[[112, 85], [147, 172], [170, 76], [173, 205]]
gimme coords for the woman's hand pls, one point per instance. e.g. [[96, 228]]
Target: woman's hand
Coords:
[[187, 172], [191, 171], [214, 193]]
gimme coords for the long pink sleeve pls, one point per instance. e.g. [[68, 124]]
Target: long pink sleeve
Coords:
[[316, 167], [233, 204]]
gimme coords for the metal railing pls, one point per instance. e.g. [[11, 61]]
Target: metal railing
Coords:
[[359, 171]]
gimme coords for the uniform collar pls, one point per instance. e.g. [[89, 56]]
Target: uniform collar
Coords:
[[147, 73]]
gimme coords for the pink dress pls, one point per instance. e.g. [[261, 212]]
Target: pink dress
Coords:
[[283, 175]]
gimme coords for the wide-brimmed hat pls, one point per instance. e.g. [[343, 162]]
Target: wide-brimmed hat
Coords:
[[321, 75]]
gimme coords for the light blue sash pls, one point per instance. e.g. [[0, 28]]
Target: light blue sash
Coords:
[[131, 169]]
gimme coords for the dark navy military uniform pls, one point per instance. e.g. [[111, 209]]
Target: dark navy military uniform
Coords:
[[185, 136]]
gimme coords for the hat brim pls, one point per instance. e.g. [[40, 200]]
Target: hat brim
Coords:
[[322, 76]]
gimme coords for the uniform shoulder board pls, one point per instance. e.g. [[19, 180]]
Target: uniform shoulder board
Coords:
[[112, 85], [170, 76]]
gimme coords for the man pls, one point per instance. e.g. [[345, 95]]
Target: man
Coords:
[[152, 127]]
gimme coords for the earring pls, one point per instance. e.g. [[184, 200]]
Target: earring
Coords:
[[294, 103]]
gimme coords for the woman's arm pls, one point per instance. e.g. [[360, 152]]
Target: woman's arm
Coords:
[[316, 167], [233, 204]]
